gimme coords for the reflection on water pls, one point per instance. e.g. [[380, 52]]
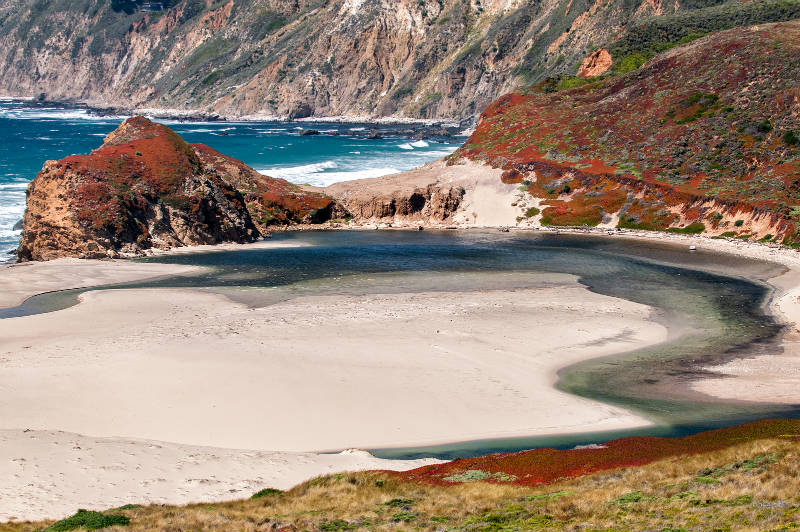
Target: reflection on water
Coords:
[[712, 316]]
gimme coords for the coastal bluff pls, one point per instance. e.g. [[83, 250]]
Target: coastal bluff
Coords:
[[146, 188]]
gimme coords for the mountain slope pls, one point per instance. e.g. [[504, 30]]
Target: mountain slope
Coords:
[[701, 137], [415, 58]]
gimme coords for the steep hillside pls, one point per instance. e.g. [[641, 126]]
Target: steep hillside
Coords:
[[702, 137], [145, 187], [414, 58]]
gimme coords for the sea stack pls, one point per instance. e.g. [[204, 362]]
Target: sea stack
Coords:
[[144, 188]]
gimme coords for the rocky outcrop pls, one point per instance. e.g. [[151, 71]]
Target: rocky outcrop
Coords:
[[430, 204], [594, 64], [269, 200], [434, 195], [146, 188]]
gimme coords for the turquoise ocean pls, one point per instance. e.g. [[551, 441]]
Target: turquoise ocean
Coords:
[[32, 133]]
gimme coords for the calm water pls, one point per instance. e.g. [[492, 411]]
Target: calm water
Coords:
[[30, 135], [712, 313]]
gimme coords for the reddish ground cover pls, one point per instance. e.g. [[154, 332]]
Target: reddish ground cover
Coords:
[[543, 466], [270, 200], [715, 120]]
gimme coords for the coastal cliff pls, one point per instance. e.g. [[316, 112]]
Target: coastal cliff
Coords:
[[444, 59], [144, 188], [701, 138]]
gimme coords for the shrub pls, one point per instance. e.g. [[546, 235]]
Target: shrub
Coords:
[[333, 526], [628, 498], [530, 213], [402, 92], [89, 520], [399, 503], [211, 78], [790, 138], [631, 62], [738, 223], [474, 475], [266, 492], [404, 517], [692, 229]]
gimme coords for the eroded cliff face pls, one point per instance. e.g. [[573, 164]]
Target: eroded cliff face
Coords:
[[411, 58], [146, 188]]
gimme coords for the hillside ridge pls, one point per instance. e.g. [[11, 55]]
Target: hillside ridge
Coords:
[[422, 59]]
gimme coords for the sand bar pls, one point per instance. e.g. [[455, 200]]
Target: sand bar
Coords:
[[314, 373]]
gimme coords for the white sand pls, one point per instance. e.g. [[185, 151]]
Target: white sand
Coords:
[[50, 474], [20, 281], [313, 373]]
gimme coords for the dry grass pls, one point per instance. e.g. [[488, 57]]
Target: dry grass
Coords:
[[751, 486]]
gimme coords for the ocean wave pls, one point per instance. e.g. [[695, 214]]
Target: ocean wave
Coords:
[[302, 170], [9, 233], [420, 144], [405, 146], [319, 174], [56, 114], [16, 185], [439, 153]]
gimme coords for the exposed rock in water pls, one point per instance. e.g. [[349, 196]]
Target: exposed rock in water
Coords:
[[596, 63], [18, 226], [145, 187], [308, 132]]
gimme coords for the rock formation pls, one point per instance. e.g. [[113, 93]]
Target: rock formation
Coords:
[[145, 187], [594, 64]]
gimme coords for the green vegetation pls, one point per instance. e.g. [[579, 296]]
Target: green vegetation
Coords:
[[692, 229], [790, 138], [530, 213], [88, 520], [402, 92], [266, 492], [266, 22], [474, 475], [211, 78], [657, 34]]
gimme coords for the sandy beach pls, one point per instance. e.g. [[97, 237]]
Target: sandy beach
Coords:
[[311, 374], [183, 395]]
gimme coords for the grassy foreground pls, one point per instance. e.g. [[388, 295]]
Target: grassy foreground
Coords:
[[750, 481]]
